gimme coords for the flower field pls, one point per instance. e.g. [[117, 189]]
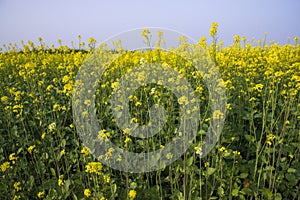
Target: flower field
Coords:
[[256, 157]]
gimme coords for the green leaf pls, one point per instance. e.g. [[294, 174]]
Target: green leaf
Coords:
[[246, 191], [3, 187], [278, 196], [291, 178], [291, 170], [133, 185], [114, 188], [63, 143], [250, 138], [221, 191], [243, 175], [189, 162], [235, 192], [210, 171], [269, 168], [267, 192], [67, 185], [53, 172], [74, 196], [30, 182]]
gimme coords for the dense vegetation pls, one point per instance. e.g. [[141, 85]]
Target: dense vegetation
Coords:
[[257, 156]]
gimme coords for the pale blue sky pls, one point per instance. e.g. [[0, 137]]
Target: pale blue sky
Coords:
[[66, 19]]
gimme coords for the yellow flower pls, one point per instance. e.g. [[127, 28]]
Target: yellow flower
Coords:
[[182, 100], [91, 40], [222, 149], [52, 126], [228, 106], [119, 159], [133, 120], [270, 138], [145, 32], [236, 39], [85, 151], [43, 135], [114, 85], [87, 102], [17, 186], [68, 87], [202, 41], [49, 88], [138, 103], [56, 107], [132, 98], [127, 139], [17, 197], [4, 166], [4, 98], [258, 87], [102, 135], [62, 152], [213, 29], [132, 194], [65, 79], [87, 192], [126, 131], [30, 149], [198, 150], [106, 178], [206, 164], [218, 114], [41, 195], [169, 156], [15, 107], [13, 157], [60, 180], [93, 167]]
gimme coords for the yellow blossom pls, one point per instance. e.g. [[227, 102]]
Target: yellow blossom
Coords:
[[126, 131], [60, 181], [5, 166], [93, 167], [206, 164], [43, 135], [41, 195], [213, 29], [17, 197], [169, 156], [132, 194], [30, 149], [127, 139], [182, 100], [106, 178], [87, 192], [17, 186], [85, 151], [52, 126], [222, 149], [217, 114], [13, 157], [62, 152], [4, 98]]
